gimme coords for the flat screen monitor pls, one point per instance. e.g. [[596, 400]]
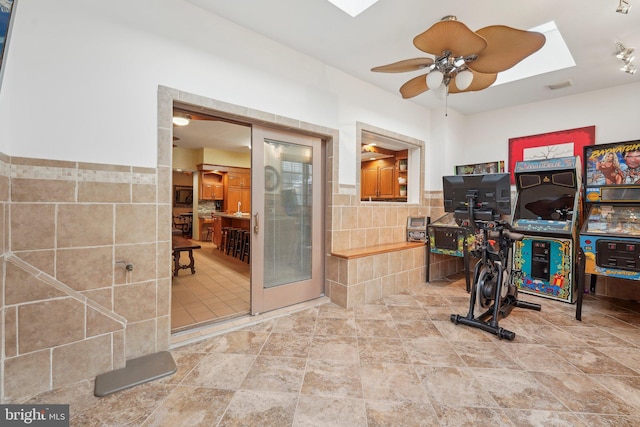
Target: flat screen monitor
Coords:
[[491, 194]]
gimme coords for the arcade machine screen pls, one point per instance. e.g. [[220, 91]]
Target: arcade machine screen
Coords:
[[610, 237], [547, 212]]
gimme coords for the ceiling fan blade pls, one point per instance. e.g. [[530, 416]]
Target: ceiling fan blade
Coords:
[[506, 47], [480, 81], [406, 65], [414, 87], [451, 36]]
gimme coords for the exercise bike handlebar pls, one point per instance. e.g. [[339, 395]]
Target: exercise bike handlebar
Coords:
[[499, 225]]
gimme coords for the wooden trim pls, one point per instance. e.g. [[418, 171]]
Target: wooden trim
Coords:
[[376, 249]]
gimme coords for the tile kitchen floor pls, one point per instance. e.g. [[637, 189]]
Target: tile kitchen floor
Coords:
[[218, 290], [395, 362]]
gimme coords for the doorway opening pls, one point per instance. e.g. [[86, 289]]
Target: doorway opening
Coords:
[[211, 180]]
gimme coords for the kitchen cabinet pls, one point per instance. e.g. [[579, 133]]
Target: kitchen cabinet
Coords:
[[378, 180], [237, 189], [211, 186]]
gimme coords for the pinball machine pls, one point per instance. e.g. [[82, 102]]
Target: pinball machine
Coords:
[[610, 236], [547, 211]]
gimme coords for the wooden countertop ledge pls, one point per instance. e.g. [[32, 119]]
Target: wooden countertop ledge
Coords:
[[376, 249]]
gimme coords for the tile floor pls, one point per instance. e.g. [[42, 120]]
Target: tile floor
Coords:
[[396, 362], [219, 289]]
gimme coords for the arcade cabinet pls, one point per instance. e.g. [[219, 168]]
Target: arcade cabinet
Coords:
[[610, 237], [547, 211]]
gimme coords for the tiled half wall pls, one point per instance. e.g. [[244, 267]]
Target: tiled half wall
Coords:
[[70, 309]]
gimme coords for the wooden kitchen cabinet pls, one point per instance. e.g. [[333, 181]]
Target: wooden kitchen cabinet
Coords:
[[378, 180], [237, 189], [211, 186]]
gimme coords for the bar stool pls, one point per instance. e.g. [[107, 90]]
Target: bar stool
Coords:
[[231, 240], [237, 243], [246, 242], [224, 231]]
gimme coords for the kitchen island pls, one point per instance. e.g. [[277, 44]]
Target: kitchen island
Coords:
[[221, 220]]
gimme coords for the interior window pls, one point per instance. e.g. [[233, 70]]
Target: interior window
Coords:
[[389, 168]]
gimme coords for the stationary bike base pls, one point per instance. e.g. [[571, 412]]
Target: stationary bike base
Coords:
[[491, 326]]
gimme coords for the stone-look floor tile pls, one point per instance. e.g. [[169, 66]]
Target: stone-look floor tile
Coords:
[[295, 325], [376, 328], [260, 408], [626, 388], [609, 420], [243, 342], [289, 345], [332, 378], [185, 362], [385, 350], [334, 348], [550, 335], [471, 416], [333, 311], [627, 356], [449, 386], [594, 336], [545, 418], [427, 301], [191, 406], [537, 357], [401, 300], [344, 327], [273, 373], [372, 311], [516, 389], [382, 413], [125, 408], [461, 332], [433, 351], [220, 370], [204, 346], [630, 335], [484, 355], [581, 393], [408, 313], [416, 328], [387, 381], [81, 394], [328, 411], [592, 361]]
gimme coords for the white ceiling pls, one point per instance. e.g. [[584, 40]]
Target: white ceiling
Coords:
[[384, 34]]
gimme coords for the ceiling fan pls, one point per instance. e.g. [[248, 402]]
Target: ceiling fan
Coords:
[[471, 60]]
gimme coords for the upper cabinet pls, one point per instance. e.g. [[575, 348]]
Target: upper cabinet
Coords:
[[211, 186], [385, 178]]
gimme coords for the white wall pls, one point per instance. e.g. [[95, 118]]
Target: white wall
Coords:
[[485, 136], [81, 81]]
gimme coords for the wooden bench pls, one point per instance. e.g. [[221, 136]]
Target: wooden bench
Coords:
[[375, 250], [179, 245]]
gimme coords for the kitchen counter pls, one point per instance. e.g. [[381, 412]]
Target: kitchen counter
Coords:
[[232, 215]]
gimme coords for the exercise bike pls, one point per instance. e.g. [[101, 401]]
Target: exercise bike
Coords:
[[492, 290]]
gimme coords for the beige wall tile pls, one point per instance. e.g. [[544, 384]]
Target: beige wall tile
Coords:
[[139, 339], [372, 237], [143, 193], [164, 333], [37, 331], [26, 375], [42, 190], [103, 296], [119, 349], [135, 223], [104, 192], [372, 290], [42, 260], [339, 294], [99, 324], [21, 287], [164, 263], [85, 359], [365, 217], [341, 240], [391, 216], [365, 269], [164, 177], [388, 285], [381, 265], [84, 269], [84, 225], [143, 258], [163, 307], [136, 302], [349, 218], [4, 188], [10, 331], [356, 295], [32, 226], [358, 238]]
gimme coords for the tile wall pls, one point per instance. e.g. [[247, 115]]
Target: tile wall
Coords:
[[70, 309]]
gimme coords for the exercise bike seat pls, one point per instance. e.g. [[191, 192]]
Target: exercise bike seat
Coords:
[[516, 237]]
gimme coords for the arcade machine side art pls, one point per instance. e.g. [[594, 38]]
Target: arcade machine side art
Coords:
[[610, 237], [547, 211]]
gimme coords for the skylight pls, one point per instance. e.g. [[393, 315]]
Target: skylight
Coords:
[[553, 56], [353, 7]]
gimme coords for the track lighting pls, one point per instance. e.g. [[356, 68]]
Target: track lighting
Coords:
[[625, 54], [623, 7]]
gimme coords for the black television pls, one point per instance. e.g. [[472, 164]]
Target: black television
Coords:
[[489, 193]]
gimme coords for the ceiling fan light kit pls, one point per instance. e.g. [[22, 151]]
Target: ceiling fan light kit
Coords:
[[623, 7], [472, 60], [625, 54]]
